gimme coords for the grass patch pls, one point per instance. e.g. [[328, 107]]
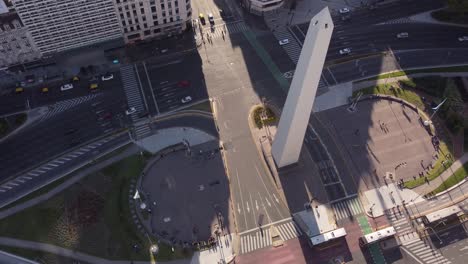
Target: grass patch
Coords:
[[58, 182], [455, 178], [263, 116], [393, 90], [437, 169], [463, 68], [203, 106], [92, 216]]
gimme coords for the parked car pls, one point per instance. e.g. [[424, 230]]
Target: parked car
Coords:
[[186, 99], [130, 111], [283, 42], [107, 77], [211, 18], [66, 86], [345, 51], [45, 90], [402, 35], [344, 10]]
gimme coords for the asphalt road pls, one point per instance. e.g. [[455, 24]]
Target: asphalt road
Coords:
[[63, 131], [11, 102], [166, 83]]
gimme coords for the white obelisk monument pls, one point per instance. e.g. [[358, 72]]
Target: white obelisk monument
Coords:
[[298, 107]]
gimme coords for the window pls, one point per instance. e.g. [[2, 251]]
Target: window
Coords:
[[147, 32], [142, 10], [162, 6], [171, 19], [155, 23], [164, 21], [145, 25], [157, 30], [153, 9]]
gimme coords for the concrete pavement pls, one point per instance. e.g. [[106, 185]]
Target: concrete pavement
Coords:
[[7, 258]]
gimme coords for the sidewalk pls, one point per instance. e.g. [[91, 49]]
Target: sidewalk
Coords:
[[427, 18], [387, 197]]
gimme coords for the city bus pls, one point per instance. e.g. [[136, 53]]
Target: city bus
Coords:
[[379, 235]]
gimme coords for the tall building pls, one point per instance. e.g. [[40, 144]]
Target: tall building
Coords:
[[16, 43], [258, 7], [143, 19], [58, 25]]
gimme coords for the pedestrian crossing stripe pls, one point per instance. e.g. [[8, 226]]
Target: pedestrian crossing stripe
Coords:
[[262, 238], [346, 208], [228, 29]]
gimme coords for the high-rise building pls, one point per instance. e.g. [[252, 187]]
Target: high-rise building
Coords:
[[143, 19], [16, 44], [59, 25]]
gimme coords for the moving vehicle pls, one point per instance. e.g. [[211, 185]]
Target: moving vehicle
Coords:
[[66, 86], [75, 79], [93, 86], [19, 90], [377, 236], [130, 111], [463, 38], [186, 99], [45, 90], [283, 42], [202, 18], [107, 77], [344, 10], [211, 18], [345, 51], [402, 35]]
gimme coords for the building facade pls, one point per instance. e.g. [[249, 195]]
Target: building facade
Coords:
[[258, 7], [59, 25], [145, 19], [16, 43]]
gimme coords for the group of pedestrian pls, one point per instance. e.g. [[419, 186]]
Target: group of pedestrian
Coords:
[[401, 164], [384, 127]]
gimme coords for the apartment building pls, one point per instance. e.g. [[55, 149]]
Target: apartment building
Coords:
[[16, 44], [144, 19], [59, 25]]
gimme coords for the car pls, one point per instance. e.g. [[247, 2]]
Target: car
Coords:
[[19, 90], [107, 77], [130, 111], [66, 86], [93, 86], [183, 83], [186, 99], [283, 42], [211, 18], [345, 51], [75, 79], [45, 90], [202, 18], [164, 50], [402, 35], [344, 10], [463, 38]]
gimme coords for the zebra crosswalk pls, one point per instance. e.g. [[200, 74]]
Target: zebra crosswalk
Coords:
[[132, 91], [66, 104], [229, 29], [142, 131], [258, 239], [347, 208], [426, 253], [402, 20]]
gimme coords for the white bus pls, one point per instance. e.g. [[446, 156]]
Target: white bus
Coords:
[[442, 214], [376, 236]]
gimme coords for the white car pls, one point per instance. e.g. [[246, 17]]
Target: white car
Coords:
[[345, 51], [402, 35], [344, 10], [186, 99], [464, 38], [130, 111], [211, 18], [283, 42], [107, 77], [66, 86]]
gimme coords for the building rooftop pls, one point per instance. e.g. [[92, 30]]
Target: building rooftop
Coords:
[[3, 7], [9, 21], [315, 221]]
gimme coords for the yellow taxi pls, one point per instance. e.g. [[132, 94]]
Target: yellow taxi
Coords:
[[45, 90], [75, 79], [93, 86], [19, 90]]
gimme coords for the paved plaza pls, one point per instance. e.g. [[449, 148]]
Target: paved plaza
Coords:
[[381, 137], [188, 194]]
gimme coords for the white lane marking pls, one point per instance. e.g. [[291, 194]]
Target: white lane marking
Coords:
[[33, 174], [51, 164]]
